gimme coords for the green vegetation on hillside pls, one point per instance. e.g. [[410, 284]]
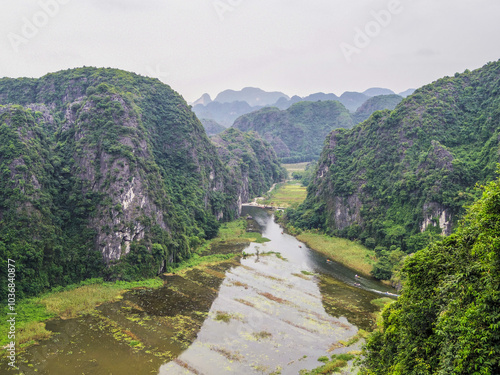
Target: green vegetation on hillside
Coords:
[[377, 103], [447, 320], [399, 180], [251, 161], [297, 134], [105, 174]]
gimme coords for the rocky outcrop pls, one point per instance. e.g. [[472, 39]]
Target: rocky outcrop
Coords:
[[251, 161], [407, 171], [111, 163], [435, 215]]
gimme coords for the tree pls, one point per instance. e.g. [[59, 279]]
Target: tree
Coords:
[[447, 320]]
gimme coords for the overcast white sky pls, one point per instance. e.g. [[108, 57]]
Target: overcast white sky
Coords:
[[293, 46]]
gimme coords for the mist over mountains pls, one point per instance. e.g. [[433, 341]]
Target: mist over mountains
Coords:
[[228, 105]]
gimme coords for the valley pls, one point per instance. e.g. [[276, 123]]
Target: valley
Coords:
[[248, 295], [137, 250]]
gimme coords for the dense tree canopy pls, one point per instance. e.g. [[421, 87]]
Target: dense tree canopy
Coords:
[[447, 320]]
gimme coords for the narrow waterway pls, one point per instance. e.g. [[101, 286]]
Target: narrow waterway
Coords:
[[276, 311]]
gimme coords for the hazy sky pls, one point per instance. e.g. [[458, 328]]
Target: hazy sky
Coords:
[[295, 46]]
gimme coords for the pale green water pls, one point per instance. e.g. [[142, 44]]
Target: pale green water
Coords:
[[259, 317]]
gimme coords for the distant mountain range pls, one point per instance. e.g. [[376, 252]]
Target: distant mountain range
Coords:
[[230, 104], [298, 133]]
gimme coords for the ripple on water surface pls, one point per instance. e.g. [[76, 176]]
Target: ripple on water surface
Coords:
[[277, 310]]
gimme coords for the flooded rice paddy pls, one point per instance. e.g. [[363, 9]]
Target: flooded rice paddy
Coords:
[[275, 311]]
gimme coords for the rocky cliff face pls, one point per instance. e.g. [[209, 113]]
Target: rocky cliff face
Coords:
[[401, 174], [107, 165], [252, 162]]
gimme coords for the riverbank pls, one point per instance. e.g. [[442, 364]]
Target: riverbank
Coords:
[[340, 250], [85, 297]]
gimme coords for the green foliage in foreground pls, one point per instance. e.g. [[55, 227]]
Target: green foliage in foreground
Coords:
[[447, 320]]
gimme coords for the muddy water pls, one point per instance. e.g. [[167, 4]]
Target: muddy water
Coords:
[[278, 309]]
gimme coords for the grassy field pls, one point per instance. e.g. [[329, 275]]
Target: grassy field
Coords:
[[288, 194], [348, 253], [235, 232], [82, 298], [299, 167]]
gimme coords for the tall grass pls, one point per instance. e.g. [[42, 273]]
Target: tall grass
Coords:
[[348, 253], [65, 302], [286, 195]]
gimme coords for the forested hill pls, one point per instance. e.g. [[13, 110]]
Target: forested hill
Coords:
[[447, 318], [101, 165], [251, 160], [376, 103], [298, 133], [403, 176]]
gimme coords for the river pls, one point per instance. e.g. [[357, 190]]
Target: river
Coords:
[[274, 312]]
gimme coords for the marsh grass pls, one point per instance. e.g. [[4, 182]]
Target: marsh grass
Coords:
[[348, 253], [245, 302], [301, 276], [381, 302], [67, 302], [296, 167], [288, 194], [361, 335], [276, 254], [222, 316], [31, 333], [262, 335], [275, 299], [232, 357], [332, 365]]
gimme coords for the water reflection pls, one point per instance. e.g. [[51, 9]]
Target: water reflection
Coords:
[[278, 311], [281, 312]]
